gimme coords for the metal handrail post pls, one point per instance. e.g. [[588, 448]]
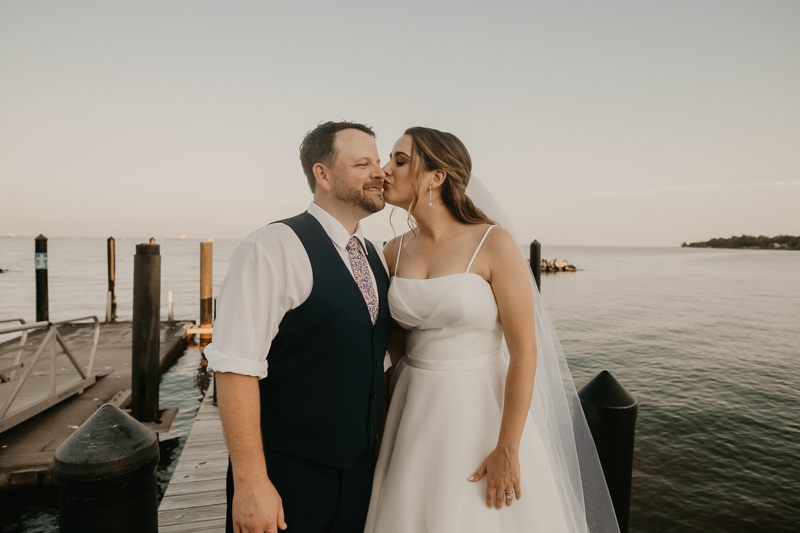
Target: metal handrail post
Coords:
[[95, 340], [54, 329], [22, 341]]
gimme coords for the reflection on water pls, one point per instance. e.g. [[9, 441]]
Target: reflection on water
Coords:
[[183, 384]]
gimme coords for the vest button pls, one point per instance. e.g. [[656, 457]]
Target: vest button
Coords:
[[374, 395], [378, 364], [372, 427]]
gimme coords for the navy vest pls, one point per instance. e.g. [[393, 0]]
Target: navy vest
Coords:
[[322, 399]]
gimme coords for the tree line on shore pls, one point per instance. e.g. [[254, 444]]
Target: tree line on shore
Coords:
[[785, 242]]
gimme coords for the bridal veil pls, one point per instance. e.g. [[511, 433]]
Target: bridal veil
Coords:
[[557, 411]]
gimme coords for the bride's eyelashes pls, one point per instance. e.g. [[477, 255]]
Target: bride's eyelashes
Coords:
[[396, 160]]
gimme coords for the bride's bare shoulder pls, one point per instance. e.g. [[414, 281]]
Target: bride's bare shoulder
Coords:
[[500, 237], [501, 245], [390, 250]]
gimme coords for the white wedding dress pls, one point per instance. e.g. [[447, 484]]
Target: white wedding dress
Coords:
[[444, 418]]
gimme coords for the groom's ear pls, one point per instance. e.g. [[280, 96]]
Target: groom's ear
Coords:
[[322, 175]]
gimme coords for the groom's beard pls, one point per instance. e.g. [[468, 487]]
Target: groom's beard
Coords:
[[360, 197]]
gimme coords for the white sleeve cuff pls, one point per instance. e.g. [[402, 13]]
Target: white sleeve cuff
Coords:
[[219, 362]]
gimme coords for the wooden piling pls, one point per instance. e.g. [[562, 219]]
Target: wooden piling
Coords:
[[42, 296], [536, 263], [112, 277], [146, 323], [206, 284]]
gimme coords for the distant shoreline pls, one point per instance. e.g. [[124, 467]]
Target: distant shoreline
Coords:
[[748, 242]]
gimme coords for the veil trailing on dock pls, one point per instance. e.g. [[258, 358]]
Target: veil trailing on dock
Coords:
[[557, 411]]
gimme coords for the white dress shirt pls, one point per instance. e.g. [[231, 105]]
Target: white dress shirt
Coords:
[[269, 275]]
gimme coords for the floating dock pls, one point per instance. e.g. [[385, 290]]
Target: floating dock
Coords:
[[28, 448]]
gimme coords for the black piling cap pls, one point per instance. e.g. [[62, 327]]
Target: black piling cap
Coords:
[[148, 249], [108, 445], [606, 399]]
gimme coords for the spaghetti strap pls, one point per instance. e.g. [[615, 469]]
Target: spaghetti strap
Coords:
[[476, 251], [397, 260]]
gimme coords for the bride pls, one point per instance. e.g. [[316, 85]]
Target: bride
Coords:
[[465, 449]]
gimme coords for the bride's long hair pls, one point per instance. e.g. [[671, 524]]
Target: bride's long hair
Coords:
[[438, 150]]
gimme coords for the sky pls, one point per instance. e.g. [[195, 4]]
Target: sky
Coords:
[[608, 123]]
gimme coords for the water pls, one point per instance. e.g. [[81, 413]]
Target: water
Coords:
[[78, 274], [706, 339]]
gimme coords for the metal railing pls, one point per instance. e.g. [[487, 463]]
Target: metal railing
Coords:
[[42, 400], [12, 370]]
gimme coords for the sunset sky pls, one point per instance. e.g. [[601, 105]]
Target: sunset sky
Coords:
[[594, 122]]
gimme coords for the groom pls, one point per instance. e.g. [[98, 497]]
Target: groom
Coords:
[[299, 342]]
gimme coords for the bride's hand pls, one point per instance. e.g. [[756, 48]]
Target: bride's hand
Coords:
[[501, 469]]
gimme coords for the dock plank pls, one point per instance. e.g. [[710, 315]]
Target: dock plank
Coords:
[[195, 487], [195, 497], [192, 501], [193, 515], [216, 524]]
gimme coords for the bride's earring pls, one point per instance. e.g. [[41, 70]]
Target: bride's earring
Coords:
[[430, 195]]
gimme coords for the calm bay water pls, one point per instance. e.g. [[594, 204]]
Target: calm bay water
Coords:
[[78, 273], [708, 340]]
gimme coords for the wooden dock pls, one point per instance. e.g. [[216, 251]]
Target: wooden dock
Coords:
[[195, 497]]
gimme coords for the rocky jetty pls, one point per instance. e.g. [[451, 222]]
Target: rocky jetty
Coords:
[[557, 265]]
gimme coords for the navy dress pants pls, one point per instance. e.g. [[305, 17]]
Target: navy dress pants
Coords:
[[317, 498]]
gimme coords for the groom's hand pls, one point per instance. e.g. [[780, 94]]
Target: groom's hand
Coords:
[[257, 510]]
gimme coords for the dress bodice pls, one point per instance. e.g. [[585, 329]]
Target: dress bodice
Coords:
[[453, 320]]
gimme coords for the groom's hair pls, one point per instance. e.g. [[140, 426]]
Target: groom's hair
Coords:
[[318, 146]]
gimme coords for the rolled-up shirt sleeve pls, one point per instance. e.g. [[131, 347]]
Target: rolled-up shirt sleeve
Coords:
[[265, 280]]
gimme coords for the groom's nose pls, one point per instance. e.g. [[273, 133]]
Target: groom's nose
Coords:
[[378, 174]]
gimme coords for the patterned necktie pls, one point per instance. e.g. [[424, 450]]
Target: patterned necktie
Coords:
[[361, 272]]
